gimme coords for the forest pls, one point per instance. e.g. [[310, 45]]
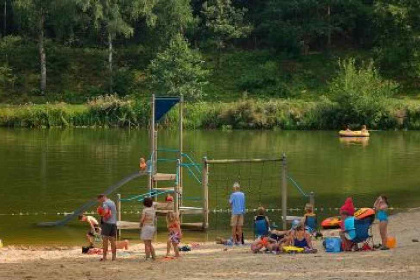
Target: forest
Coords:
[[358, 58]]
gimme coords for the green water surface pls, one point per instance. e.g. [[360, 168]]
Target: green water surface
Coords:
[[44, 173]]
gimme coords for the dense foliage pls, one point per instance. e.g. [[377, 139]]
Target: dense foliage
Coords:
[[76, 49]]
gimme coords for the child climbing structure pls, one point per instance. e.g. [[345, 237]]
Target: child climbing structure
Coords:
[[160, 184]]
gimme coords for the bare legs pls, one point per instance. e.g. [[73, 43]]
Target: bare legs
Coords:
[[90, 240], [148, 247], [168, 248], [234, 237], [105, 240], [239, 233], [113, 247], [383, 230]]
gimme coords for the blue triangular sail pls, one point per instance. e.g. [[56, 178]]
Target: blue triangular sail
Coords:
[[163, 105]]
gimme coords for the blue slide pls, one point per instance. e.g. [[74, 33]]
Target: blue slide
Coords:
[[92, 202]]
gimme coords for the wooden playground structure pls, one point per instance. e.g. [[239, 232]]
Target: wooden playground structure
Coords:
[[200, 171]]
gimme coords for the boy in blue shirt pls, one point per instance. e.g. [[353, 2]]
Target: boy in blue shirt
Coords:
[[348, 231], [237, 203]]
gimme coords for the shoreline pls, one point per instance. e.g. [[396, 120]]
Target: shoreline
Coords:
[[247, 114], [211, 261]]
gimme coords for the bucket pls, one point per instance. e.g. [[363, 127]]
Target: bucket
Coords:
[[391, 242]]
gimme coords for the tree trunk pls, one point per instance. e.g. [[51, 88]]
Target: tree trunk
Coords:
[[110, 59], [5, 18], [42, 56], [329, 27]]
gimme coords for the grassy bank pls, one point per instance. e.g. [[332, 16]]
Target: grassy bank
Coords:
[[243, 114]]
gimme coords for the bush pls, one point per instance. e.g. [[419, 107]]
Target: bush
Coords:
[[361, 94]]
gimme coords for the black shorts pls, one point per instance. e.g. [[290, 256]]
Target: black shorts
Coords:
[[109, 230], [93, 233]]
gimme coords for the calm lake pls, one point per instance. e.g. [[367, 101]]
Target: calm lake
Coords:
[[45, 173]]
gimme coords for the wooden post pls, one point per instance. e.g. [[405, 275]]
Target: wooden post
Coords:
[[152, 142], [284, 191], [312, 199], [205, 182], [178, 191], [119, 212], [181, 141]]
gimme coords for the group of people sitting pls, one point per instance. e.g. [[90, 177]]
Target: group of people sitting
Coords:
[[298, 238]]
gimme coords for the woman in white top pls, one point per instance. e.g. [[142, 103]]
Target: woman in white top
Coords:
[[147, 225]]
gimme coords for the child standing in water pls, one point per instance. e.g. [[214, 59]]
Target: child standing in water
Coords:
[[175, 233], [147, 225], [381, 207]]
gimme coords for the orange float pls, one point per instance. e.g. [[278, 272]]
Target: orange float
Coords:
[[331, 223], [364, 213]]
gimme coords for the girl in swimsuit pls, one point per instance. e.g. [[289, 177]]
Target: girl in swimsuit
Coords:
[[381, 207], [175, 233]]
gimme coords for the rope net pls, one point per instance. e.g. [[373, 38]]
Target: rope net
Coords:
[[259, 181]]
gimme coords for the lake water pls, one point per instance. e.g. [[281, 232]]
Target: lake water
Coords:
[[44, 173]]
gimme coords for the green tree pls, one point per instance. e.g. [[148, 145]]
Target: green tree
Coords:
[[361, 93], [178, 70], [34, 15], [224, 22], [115, 17], [398, 38]]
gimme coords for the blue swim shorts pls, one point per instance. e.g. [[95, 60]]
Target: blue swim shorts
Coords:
[[382, 216]]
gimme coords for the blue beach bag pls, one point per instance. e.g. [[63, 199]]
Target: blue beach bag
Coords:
[[332, 244]]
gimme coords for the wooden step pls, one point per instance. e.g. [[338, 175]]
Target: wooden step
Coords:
[[193, 226], [164, 189], [191, 210], [161, 212], [127, 225], [164, 177]]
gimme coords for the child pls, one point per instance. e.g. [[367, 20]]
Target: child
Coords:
[[147, 225], [142, 164], [94, 229], [364, 129], [309, 218], [348, 231], [175, 233], [301, 239], [348, 128], [169, 198], [261, 223], [381, 207]]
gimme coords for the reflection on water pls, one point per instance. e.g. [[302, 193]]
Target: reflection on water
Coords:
[[51, 171], [363, 141]]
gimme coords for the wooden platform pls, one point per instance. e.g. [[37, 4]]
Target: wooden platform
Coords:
[[193, 226], [164, 189], [164, 177], [191, 210], [128, 225]]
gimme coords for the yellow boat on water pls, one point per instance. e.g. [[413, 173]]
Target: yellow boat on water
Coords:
[[357, 133]]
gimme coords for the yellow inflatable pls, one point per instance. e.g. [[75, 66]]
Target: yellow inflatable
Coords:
[[357, 133], [292, 249]]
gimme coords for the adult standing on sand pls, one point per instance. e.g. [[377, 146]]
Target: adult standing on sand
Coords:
[[237, 203], [109, 226]]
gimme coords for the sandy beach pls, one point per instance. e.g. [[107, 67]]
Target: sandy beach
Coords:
[[211, 261]]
